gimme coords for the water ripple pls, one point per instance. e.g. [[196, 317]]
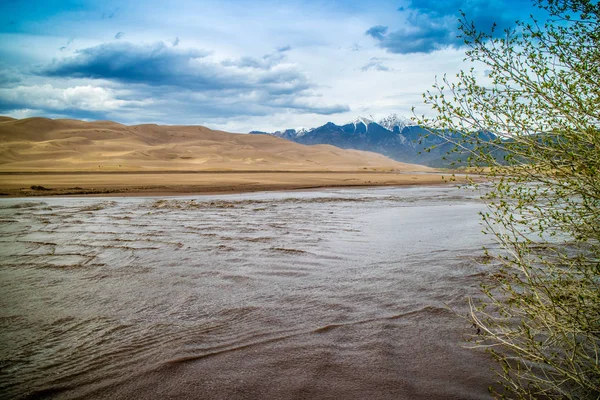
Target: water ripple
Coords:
[[331, 294]]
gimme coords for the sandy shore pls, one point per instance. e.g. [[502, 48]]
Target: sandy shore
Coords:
[[173, 183]]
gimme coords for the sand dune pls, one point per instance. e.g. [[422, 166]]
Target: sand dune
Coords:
[[64, 145], [40, 156]]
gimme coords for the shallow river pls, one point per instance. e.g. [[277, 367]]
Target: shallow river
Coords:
[[337, 294]]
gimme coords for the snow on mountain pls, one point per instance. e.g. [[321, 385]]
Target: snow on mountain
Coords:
[[388, 123], [393, 136], [302, 131], [362, 120], [393, 120]]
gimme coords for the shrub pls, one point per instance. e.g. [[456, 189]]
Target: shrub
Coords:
[[540, 316]]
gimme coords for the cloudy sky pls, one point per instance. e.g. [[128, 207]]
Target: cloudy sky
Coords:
[[232, 65]]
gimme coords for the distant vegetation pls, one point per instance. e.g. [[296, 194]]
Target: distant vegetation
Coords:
[[541, 313]]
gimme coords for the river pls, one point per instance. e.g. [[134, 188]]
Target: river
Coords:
[[329, 294]]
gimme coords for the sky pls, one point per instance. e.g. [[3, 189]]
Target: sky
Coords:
[[232, 65]]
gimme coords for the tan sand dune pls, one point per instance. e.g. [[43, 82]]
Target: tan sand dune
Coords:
[[78, 157], [63, 145]]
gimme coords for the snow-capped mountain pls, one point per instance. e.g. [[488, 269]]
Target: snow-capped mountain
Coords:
[[362, 121], [301, 131], [393, 136], [395, 123]]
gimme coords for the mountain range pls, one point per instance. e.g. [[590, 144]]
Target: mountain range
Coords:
[[392, 136]]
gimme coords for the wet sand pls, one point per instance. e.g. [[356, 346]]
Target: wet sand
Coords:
[[174, 183]]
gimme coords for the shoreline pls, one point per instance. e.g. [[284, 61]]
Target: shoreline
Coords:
[[172, 183]]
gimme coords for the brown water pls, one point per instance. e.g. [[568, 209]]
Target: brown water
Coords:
[[339, 294]]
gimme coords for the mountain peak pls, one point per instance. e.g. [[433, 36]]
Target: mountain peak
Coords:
[[393, 136], [363, 120], [393, 120], [301, 131]]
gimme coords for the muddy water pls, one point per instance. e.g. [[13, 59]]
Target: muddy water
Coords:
[[339, 294]]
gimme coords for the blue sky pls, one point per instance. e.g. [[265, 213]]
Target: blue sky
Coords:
[[231, 65]]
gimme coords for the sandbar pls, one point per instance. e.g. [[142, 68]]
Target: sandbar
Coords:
[[178, 183]]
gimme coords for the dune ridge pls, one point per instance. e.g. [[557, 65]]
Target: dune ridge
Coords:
[[65, 145], [50, 157]]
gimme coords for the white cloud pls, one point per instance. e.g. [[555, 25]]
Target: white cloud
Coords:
[[269, 66], [47, 97]]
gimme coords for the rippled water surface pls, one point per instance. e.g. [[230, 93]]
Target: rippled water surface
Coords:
[[337, 294]]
